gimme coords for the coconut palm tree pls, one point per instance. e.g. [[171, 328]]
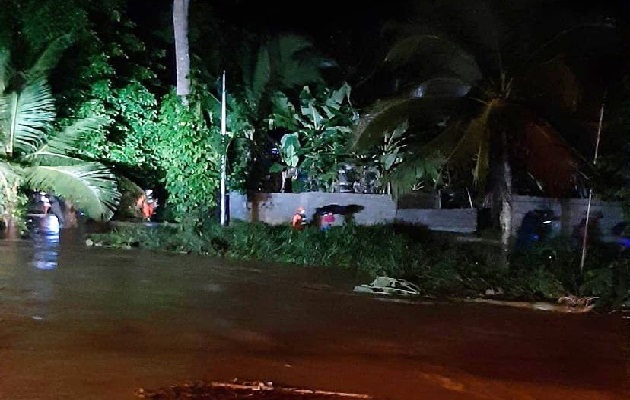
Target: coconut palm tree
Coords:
[[36, 154], [487, 97], [182, 51]]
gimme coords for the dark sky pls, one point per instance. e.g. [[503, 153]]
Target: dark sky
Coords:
[[323, 16], [303, 17], [339, 28], [308, 16]]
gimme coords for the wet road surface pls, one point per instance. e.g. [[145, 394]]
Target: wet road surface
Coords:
[[91, 323]]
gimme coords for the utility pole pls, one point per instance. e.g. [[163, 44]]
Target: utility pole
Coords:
[[224, 221], [590, 191]]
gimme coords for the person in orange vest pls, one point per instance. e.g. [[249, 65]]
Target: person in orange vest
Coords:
[[299, 219], [146, 205]]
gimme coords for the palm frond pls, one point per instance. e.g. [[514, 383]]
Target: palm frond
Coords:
[[386, 115], [446, 141], [552, 85], [414, 169], [91, 186], [26, 115], [434, 54], [262, 73], [48, 58], [295, 61], [549, 158], [442, 86], [62, 144], [582, 38], [475, 23], [475, 145]]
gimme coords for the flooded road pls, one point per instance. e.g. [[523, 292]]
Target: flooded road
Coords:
[[91, 323]]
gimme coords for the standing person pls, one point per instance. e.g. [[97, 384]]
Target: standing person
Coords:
[[146, 204], [140, 202], [327, 220], [43, 197], [299, 219]]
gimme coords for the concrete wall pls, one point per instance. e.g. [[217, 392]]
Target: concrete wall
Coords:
[[278, 208], [569, 211], [462, 220]]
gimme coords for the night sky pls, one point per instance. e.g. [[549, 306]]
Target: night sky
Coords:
[[322, 15], [316, 19], [348, 30]]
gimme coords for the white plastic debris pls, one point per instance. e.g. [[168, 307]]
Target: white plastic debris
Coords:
[[389, 286]]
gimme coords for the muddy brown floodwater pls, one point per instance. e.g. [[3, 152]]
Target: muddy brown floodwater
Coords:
[[91, 323]]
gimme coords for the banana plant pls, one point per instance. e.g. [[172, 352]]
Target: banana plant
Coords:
[[289, 149], [278, 64], [321, 125]]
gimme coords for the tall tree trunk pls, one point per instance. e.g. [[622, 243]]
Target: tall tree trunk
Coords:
[[8, 207], [505, 217], [505, 198], [182, 55]]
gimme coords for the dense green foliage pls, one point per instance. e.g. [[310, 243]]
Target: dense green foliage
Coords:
[[495, 91], [38, 154], [189, 150], [103, 77], [273, 69], [114, 75], [320, 126]]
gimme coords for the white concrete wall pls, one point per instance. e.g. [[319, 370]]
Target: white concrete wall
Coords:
[[278, 208], [462, 220]]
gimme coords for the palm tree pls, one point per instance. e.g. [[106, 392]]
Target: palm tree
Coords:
[[37, 155], [498, 106]]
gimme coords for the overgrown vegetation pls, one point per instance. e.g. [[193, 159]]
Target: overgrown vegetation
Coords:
[[115, 114], [439, 266]]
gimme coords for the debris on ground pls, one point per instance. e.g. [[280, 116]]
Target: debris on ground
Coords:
[[578, 304], [564, 304], [389, 286], [241, 390]]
